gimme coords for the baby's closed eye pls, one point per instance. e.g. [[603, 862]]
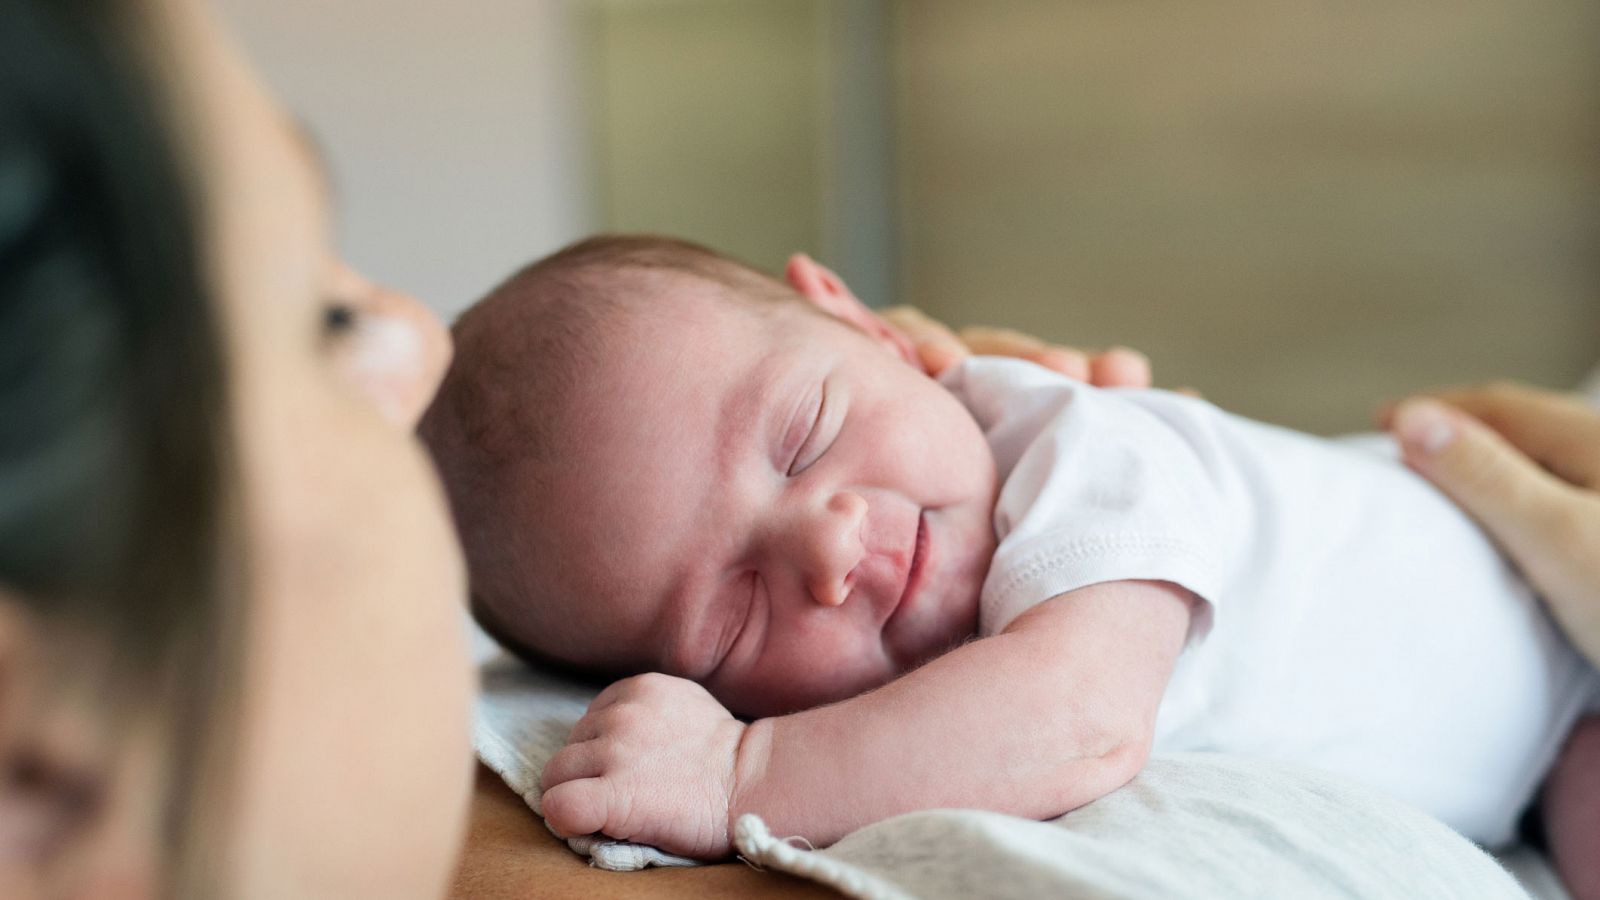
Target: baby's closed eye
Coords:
[[817, 441]]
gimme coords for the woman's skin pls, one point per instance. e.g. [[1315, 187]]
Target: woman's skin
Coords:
[[354, 769], [939, 348], [351, 764], [1526, 463]]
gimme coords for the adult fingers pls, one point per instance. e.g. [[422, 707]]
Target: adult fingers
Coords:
[[1548, 526], [1068, 361], [937, 346], [1120, 367], [1500, 486], [1559, 431], [999, 341]]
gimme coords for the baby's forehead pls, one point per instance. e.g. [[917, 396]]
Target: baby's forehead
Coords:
[[656, 438], [692, 330]]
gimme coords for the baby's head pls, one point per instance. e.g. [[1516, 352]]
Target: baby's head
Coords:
[[662, 460]]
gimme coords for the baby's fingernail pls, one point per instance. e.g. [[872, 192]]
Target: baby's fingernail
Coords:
[[1424, 425]]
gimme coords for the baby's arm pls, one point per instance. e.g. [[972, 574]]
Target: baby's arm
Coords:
[[1055, 712]]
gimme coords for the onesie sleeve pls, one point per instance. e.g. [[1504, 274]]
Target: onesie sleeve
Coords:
[[1099, 485]]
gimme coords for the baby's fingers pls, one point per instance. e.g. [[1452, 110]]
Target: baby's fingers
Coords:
[[591, 726], [616, 690], [572, 762], [577, 807]]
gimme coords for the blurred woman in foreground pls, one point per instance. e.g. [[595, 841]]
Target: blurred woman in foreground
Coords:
[[230, 654]]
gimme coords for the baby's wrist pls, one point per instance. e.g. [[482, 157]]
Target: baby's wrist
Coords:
[[750, 761]]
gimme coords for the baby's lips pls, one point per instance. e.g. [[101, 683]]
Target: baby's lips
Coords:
[[888, 537]]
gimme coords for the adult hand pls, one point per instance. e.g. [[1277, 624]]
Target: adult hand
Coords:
[[940, 348], [1526, 464]]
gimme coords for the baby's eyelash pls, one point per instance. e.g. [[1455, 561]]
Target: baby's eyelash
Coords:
[[795, 467]]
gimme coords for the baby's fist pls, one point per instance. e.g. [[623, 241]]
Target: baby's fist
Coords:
[[652, 761]]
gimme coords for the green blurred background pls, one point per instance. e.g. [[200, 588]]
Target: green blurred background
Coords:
[[1299, 208]]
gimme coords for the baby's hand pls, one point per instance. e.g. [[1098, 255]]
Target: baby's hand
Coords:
[[652, 761]]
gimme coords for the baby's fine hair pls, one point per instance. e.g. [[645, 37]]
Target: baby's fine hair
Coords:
[[499, 427]]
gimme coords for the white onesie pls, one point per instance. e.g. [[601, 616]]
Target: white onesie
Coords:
[[1354, 619]]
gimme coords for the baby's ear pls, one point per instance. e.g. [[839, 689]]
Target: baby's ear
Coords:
[[828, 293]]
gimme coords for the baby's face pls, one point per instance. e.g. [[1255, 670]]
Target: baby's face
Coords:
[[773, 505]]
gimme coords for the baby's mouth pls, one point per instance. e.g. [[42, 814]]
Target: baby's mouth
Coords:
[[914, 570]]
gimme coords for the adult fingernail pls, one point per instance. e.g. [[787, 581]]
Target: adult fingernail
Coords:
[[1071, 363], [1424, 425], [1129, 351], [938, 356], [1384, 414]]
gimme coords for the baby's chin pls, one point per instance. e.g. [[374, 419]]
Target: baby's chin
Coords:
[[946, 619]]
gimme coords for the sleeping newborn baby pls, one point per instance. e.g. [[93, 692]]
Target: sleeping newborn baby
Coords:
[[997, 590]]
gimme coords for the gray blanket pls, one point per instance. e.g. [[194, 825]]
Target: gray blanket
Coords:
[[1190, 825]]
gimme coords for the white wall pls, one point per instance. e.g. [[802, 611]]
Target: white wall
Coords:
[[455, 131]]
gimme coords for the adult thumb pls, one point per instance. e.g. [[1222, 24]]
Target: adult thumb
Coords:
[[1510, 495]]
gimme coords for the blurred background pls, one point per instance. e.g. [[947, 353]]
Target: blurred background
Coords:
[[1299, 208]]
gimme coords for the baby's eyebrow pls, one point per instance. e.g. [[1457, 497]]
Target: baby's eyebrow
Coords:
[[756, 417]]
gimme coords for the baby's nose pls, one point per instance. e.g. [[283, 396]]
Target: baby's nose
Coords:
[[833, 591], [834, 548]]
